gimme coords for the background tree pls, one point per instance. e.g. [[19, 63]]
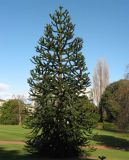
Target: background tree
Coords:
[[100, 81], [21, 100], [115, 100], [123, 116], [126, 76], [60, 76], [9, 112]]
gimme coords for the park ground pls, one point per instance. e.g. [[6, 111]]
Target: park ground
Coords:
[[109, 143]]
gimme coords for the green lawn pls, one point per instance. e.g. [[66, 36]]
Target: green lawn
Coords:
[[119, 142], [112, 139], [112, 154], [13, 132], [18, 152], [15, 151]]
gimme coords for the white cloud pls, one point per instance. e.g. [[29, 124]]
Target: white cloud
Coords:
[[3, 87], [5, 96], [23, 96], [7, 93]]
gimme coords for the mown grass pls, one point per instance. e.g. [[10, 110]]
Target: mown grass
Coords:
[[112, 154], [112, 133], [112, 139], [18, 152], [118, 141], [13, 132]]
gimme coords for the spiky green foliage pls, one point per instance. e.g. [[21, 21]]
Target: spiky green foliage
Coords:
[[61, 118]]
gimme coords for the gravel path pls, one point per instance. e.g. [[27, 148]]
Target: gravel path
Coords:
[[12, 142]]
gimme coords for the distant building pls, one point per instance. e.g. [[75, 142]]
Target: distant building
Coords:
[[30, 108], [2, 102], [87, 92]]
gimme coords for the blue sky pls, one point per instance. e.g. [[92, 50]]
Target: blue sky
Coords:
[[103, 25]]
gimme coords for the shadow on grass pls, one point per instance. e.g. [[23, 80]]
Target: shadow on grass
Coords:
[[117, 143], [16, 155]]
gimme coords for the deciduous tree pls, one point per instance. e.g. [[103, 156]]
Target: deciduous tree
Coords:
[[127, 72], [100, 81], [13, 112], [115, 101]]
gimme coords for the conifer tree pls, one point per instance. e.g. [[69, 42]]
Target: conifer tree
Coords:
[[62, 116]]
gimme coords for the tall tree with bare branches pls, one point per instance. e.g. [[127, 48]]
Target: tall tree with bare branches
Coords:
[[100, 81], [126, 76]]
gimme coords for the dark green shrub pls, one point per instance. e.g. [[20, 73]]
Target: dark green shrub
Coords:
[[115, 101]]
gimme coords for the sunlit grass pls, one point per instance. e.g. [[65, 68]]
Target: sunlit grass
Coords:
[[13, 132], [118, 141]]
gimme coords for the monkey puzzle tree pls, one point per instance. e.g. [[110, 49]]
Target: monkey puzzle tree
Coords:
[[61, 119]]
